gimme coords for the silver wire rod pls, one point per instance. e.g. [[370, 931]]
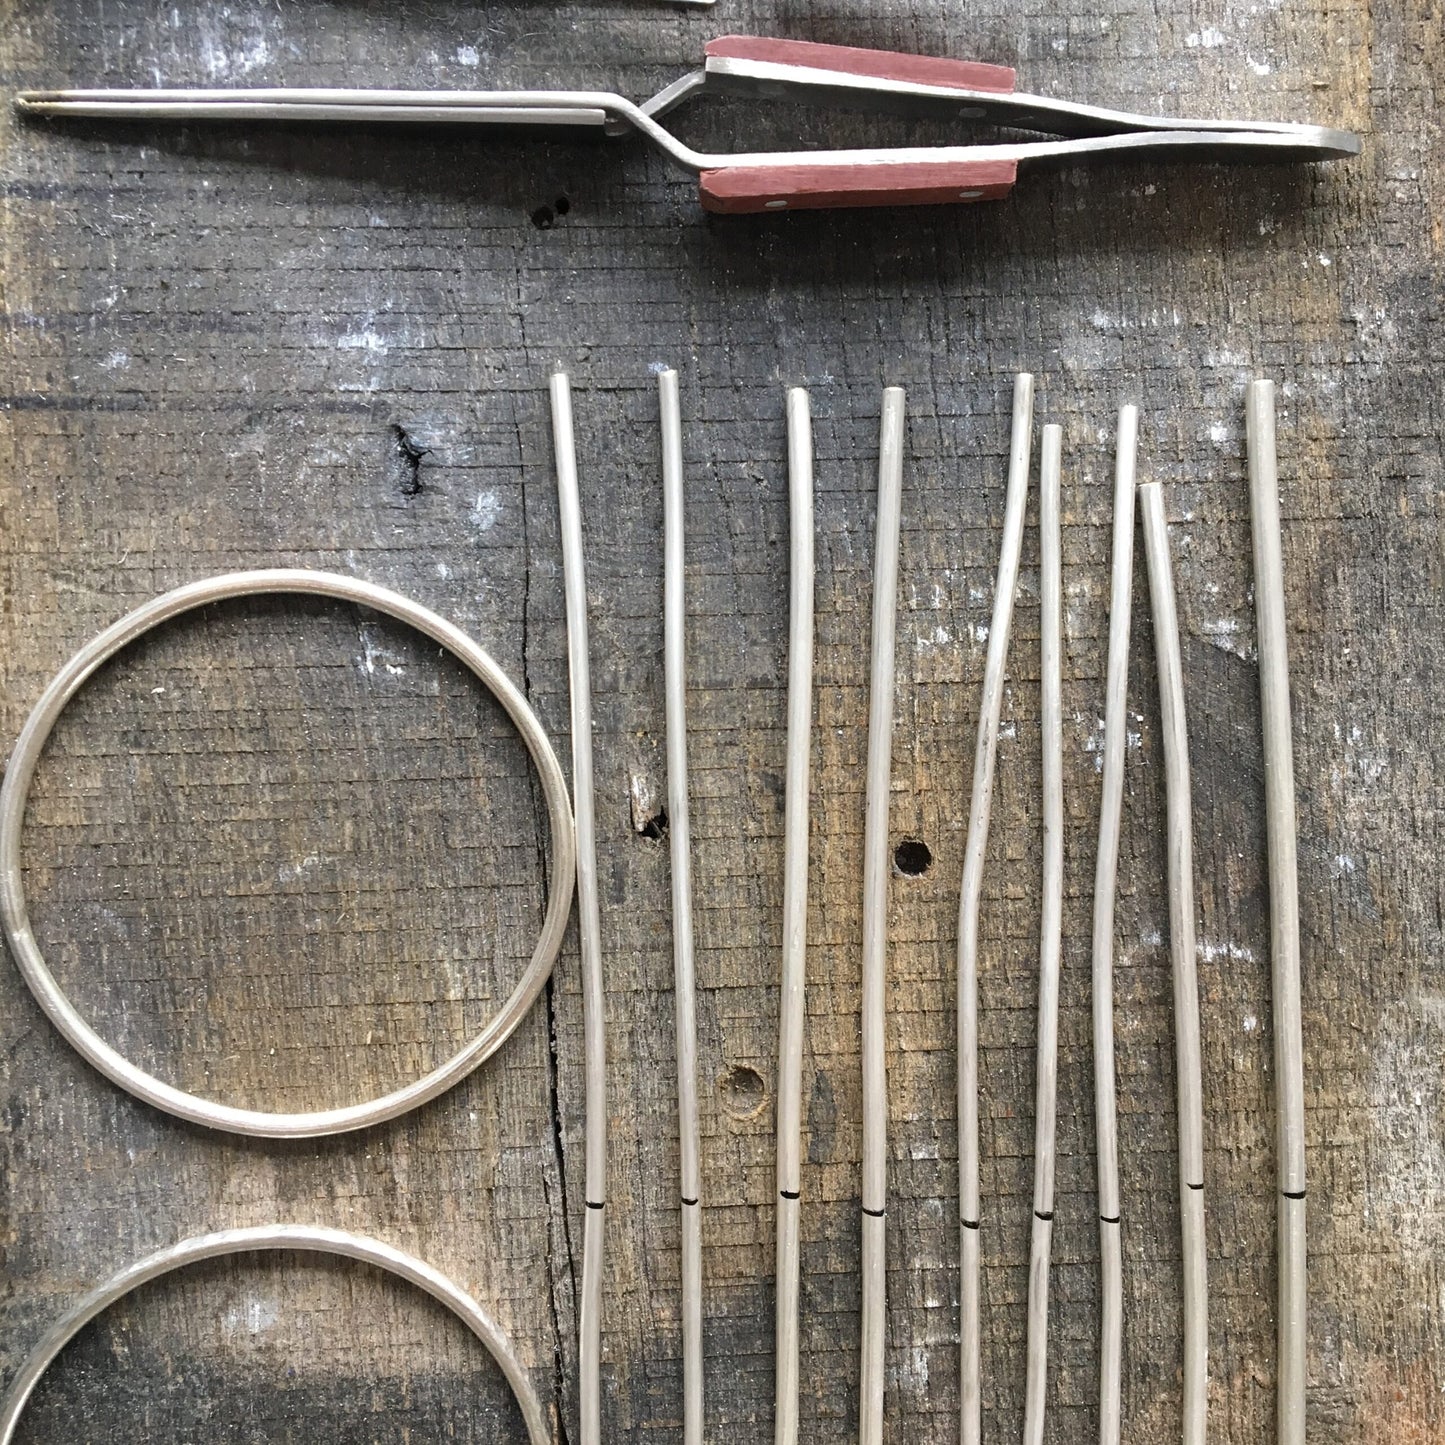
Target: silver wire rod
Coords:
[[1106, 873], [594, 1023], [14, 911], [792, 1003], [1046, 1080], [1182, 946], [970, 891], [267, 1238], [1279, 812], [875, 912], [679, 830]]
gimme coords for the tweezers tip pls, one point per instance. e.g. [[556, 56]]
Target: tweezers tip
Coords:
[[1338, 143], [44, 102]]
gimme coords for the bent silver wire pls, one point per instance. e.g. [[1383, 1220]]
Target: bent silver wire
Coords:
[[273, 1237], [14, 912]]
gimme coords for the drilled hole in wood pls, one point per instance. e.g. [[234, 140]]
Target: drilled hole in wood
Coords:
[[912, 858], [742, 1092]]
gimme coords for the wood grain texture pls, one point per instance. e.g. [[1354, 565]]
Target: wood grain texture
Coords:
[[319, 839]]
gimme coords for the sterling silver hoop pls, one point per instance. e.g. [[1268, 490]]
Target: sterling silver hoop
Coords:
[[14, 913], [269, 1238]]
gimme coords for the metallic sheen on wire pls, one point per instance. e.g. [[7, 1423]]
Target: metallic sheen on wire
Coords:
[[15, 915], [290, 1237]]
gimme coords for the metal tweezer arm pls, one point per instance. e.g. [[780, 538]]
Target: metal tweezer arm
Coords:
[[741, 65]]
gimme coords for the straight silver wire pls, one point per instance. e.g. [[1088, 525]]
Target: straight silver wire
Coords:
[[792, 1012], [594, 1023], [674, 615], [1182, 945], [1279, 812], [875, 912], [1106, 873], [975, 849], [1046, 1080]]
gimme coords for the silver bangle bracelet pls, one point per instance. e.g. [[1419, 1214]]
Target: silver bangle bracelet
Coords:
[[15, 916], [269, 1238]]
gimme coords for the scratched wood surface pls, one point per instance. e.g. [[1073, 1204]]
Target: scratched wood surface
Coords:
[[285, 854]]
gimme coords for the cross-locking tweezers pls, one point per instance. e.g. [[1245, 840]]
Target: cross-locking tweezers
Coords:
[[740, 65]]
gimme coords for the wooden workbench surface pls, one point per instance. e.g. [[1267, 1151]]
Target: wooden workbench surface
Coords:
[[284, 854]]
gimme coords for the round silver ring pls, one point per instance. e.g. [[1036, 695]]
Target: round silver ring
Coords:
[[14, 914], [275, 1237]]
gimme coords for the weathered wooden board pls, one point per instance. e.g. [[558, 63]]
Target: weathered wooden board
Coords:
[[285, 854]]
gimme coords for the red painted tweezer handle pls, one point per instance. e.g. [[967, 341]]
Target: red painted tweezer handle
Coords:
[[737, 190]]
